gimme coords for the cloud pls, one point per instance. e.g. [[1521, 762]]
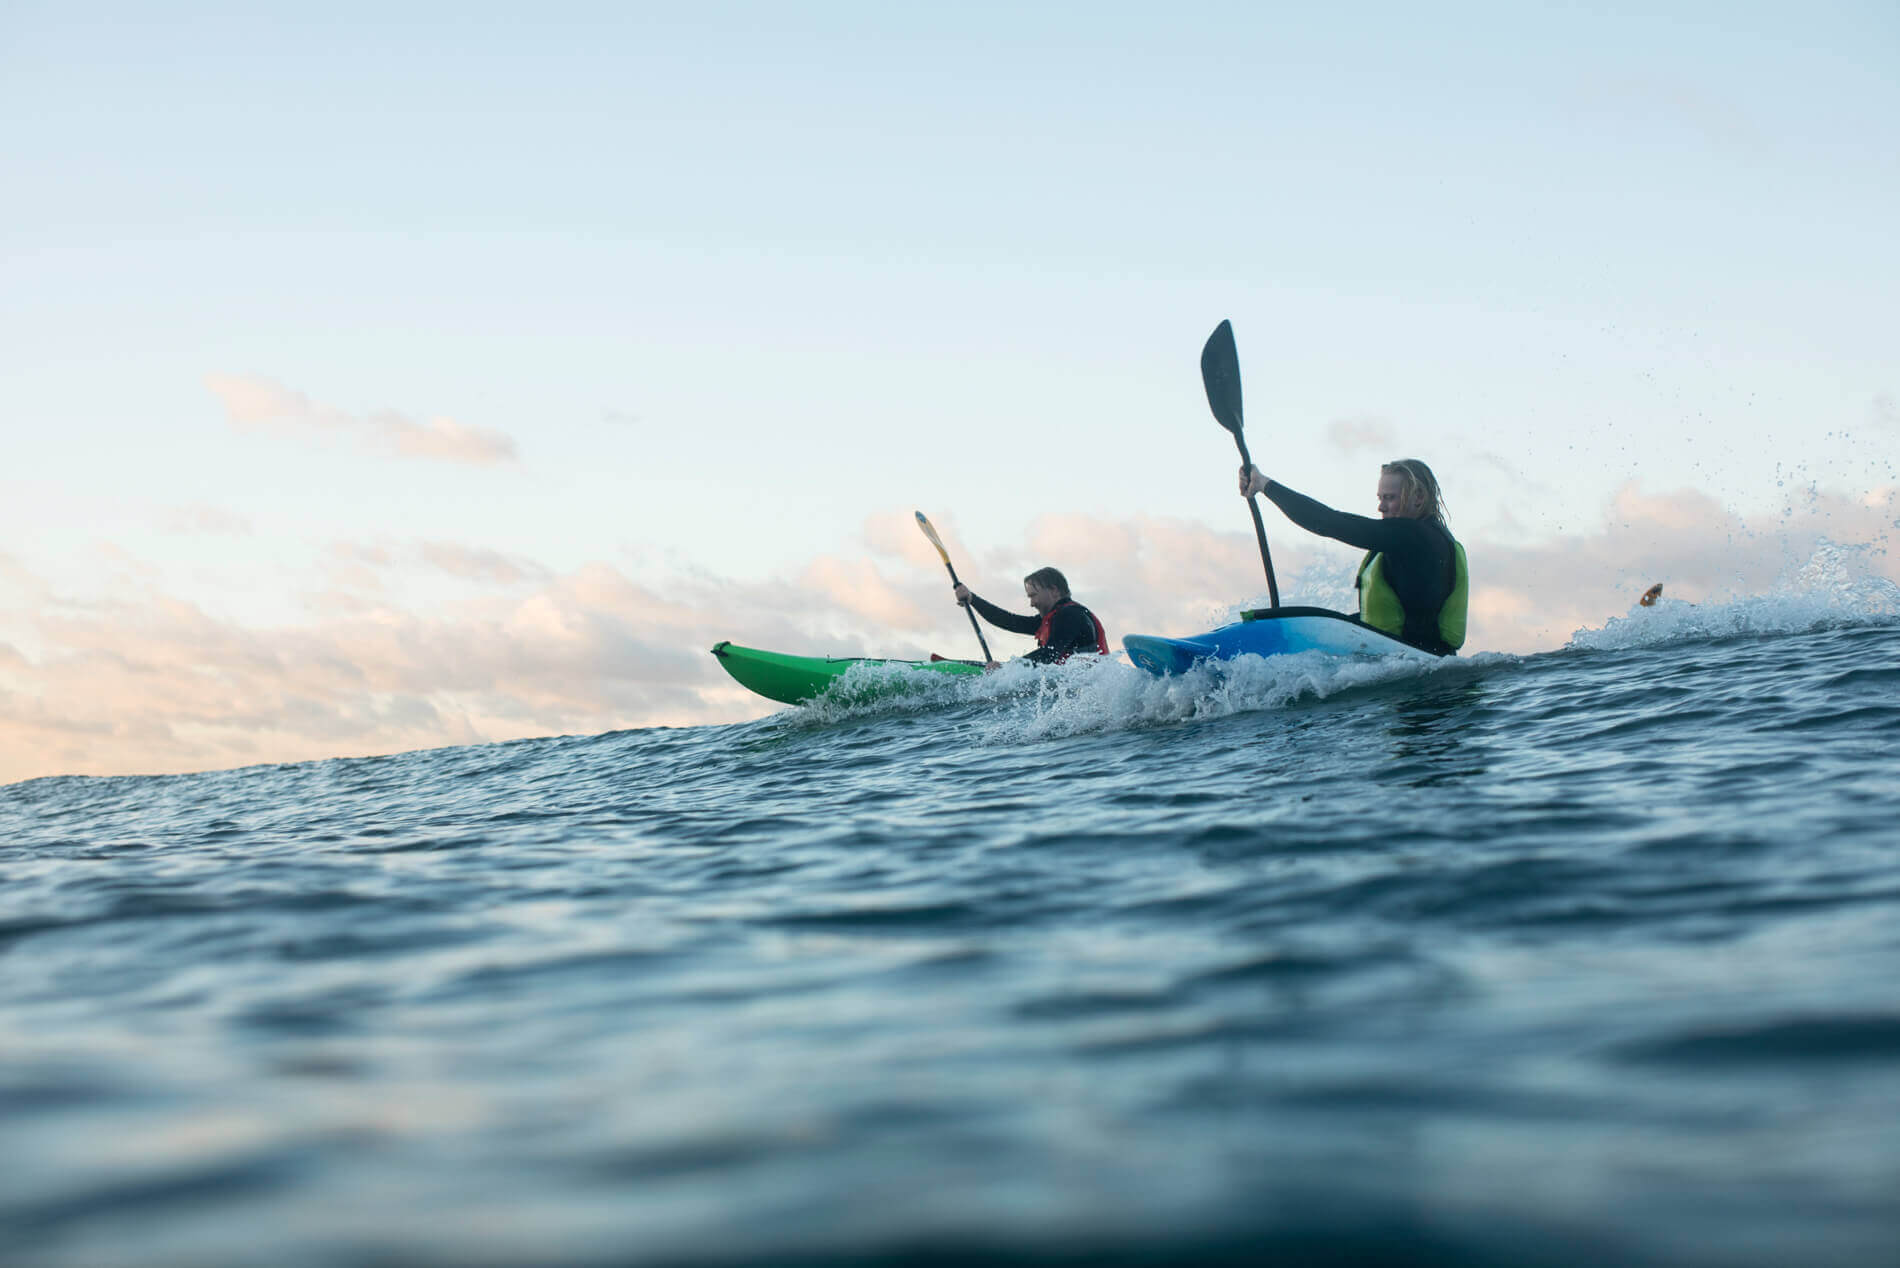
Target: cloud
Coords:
[[153, 683], [1357, 435], [896, 534], [149, 681], [362, 553], [477, 564], [16, 578], [208, 521], [859, 590], [1154, 574], [127, 569], [358, 569], [250, 401]]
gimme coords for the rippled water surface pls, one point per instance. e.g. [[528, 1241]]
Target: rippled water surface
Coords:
[[1591, 956]]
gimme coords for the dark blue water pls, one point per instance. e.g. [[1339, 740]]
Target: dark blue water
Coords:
[[1585, 957]]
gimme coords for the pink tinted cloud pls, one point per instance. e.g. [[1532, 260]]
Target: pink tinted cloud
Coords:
[[253, 401], [152, 683], [149, 682], [857, 588], [897, 535]]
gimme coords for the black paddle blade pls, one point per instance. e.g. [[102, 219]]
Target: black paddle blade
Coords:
[[1220, 373]]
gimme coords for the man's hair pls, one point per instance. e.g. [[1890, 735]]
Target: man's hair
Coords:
[[1049, 579], [1419, 496]]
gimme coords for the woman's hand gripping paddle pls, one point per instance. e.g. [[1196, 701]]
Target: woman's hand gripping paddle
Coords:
[[1220, 374], [931, 533]]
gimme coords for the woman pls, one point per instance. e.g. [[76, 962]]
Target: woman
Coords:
[[1412, 583]]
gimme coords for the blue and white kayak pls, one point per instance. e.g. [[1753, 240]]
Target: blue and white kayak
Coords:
[[1268, 632]]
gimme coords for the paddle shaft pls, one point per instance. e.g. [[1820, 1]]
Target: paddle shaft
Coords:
[[923, 524], [970, 611], [1259, 529]]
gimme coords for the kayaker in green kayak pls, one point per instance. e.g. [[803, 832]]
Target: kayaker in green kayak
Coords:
[[1062, 626], [1412, 583]]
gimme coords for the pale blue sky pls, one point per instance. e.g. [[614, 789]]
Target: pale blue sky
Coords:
[[734, 276]]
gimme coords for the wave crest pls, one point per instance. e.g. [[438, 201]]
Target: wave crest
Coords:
[[1837, 587]]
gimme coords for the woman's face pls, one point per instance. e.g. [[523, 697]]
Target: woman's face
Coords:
[[1391, 496]]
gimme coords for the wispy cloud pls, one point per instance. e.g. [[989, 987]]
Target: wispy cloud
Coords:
[[1357, 435], [366, 553], [362, 564], [251, 401], [473, 563], [207, 521]]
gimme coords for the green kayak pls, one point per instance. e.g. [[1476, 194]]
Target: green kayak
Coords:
[[794, 679]]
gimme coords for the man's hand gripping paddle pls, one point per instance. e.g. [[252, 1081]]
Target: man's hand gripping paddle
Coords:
[[931, 533], [1220, 374]]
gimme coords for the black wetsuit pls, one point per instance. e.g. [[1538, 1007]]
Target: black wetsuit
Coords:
[[1419, 564], [1072, 629]]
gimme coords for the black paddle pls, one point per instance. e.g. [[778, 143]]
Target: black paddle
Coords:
[[931, 533], [1220, 373]]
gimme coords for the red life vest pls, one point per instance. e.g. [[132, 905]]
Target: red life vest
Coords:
[[1101, 635]]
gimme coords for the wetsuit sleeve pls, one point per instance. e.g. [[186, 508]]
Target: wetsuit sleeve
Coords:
[[1317, 517], [1004, 620], [1070, 631]]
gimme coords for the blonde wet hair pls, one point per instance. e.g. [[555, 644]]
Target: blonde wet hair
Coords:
[[1419, 495]]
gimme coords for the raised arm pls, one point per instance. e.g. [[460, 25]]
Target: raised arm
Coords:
[[1317, 517], [996, 616]]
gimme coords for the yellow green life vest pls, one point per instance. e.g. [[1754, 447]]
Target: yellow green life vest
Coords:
[[1380, 608]]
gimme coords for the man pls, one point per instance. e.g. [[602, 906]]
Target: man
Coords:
[[1412, 583], [1062, 626]]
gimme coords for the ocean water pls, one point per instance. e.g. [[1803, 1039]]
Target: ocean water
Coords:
[[1583, 957]]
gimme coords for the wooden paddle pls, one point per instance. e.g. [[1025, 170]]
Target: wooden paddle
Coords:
[[1220, 374], [936, 541]]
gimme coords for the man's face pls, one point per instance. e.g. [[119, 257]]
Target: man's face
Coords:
[[1041, 598], [1390, 498]]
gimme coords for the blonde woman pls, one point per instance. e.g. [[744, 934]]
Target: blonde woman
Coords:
[[1412, 583]]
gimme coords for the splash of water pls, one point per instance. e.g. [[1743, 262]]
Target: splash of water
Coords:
[[1113, 696], [1095, 694], [1837, 586]]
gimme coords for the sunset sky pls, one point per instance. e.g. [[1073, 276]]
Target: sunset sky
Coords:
[[378, 377]]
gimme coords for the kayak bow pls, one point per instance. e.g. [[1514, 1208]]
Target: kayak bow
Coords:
[[1269, 632], [796, 679]]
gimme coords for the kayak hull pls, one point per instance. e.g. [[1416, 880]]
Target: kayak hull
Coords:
[[796, 679], [1270, 632]]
